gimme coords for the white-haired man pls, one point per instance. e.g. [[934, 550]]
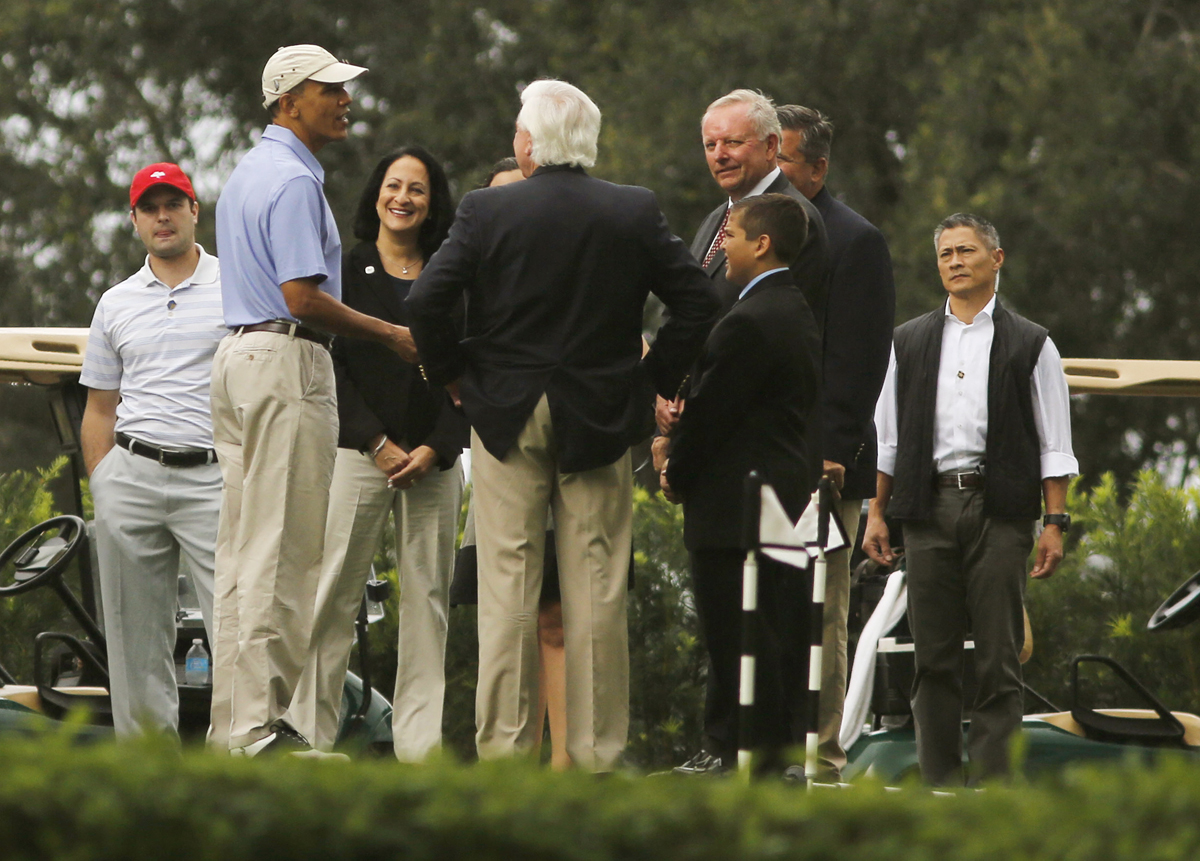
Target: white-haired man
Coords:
[[555, 271], [275, 422]]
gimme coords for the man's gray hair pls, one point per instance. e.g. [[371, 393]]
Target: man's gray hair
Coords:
[[986, 232], [814, 128], [759, 108], [563, 123]]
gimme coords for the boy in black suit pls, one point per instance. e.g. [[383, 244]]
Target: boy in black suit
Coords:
[[754, 397]]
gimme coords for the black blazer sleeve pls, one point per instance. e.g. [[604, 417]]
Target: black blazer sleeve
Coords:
[[858, 339], [733, 376], [439, 289], [857, 344], [357, 424], [691, 303]]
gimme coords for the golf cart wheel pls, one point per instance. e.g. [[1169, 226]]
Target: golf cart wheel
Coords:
[[1182, 608], [39, 562]]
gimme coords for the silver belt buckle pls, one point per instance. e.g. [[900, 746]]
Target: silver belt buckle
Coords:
[[162, 457]]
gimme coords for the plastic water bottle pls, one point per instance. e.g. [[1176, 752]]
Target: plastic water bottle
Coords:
[[196, 669]]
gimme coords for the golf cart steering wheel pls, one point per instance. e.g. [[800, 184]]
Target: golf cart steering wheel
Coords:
[[1182, 608], [39, 562]]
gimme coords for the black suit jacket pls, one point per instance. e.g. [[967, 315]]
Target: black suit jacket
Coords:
[[859, 317], [810, 271], [377, 391], [555, 271], [753, 400]]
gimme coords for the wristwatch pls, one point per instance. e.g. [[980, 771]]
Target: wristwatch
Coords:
[[1062, 521]]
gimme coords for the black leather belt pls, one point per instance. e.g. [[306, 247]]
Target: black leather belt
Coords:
[[961, 480], [283, 327], [167, 456]]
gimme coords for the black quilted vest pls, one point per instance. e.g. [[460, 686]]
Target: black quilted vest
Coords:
[[1012, 458]]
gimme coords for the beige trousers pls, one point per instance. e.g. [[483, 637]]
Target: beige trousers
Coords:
[[426, 520], [593, 513], [833, 646], [275, 429]]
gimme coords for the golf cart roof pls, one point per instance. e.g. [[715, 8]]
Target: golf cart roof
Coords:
[[41, 356], [47, 356], [1133, 377]]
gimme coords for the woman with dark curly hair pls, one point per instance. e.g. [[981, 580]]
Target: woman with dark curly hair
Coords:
[[399, 445]]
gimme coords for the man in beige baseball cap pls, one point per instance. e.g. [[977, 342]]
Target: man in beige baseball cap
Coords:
[[274, 402], [291, 66]]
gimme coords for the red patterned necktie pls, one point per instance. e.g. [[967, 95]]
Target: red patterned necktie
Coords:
[[718, 240]]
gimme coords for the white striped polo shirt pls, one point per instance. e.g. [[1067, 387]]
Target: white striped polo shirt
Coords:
[[155, 345]]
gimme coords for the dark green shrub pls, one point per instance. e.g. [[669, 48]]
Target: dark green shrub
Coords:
[[148, 801]]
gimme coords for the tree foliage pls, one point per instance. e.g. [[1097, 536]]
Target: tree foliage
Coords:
[[1129, 556], [1069, 123]]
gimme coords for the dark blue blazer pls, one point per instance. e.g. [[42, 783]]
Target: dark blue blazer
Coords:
[[753, 401], [859, 317]]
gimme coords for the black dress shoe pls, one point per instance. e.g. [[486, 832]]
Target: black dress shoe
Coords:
[[703, 764], [283, 739]]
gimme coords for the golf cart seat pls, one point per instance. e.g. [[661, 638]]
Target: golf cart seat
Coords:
[[1123, 719], [1155, 727], [31, 698]]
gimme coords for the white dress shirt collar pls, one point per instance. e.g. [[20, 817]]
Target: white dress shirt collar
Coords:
[[761, 188], [988, 310]]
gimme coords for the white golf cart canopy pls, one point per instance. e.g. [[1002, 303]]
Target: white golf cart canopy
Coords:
[[48, 356], [41, 356]]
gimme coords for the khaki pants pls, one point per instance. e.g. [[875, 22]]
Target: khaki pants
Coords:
[[593, 531], [275, 429], [833, 646], [426, 519]]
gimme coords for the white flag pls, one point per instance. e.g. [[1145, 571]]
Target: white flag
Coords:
[[796, 544]]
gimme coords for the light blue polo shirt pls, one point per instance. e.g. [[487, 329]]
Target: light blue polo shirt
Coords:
[[274, 225]]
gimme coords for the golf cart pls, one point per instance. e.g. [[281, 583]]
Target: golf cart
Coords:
[[70, 672], [1052, 736]]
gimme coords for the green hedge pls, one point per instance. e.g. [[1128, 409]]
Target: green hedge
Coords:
[[142, 801]]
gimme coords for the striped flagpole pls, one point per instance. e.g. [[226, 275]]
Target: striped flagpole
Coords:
[[816, 631], [750, 540]]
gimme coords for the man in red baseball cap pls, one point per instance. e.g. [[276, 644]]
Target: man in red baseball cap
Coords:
[[147, 445]]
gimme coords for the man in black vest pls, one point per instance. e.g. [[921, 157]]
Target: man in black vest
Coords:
[[859, 317], [974, 431]]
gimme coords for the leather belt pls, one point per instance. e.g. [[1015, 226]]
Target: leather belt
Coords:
[[167, 456], [284, 327], [960, 480]]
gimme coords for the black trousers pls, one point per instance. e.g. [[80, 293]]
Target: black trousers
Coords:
[[782, 633], [966, 571]]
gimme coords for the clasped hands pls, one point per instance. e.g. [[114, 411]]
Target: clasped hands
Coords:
[[405, 468], [666, 416]]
